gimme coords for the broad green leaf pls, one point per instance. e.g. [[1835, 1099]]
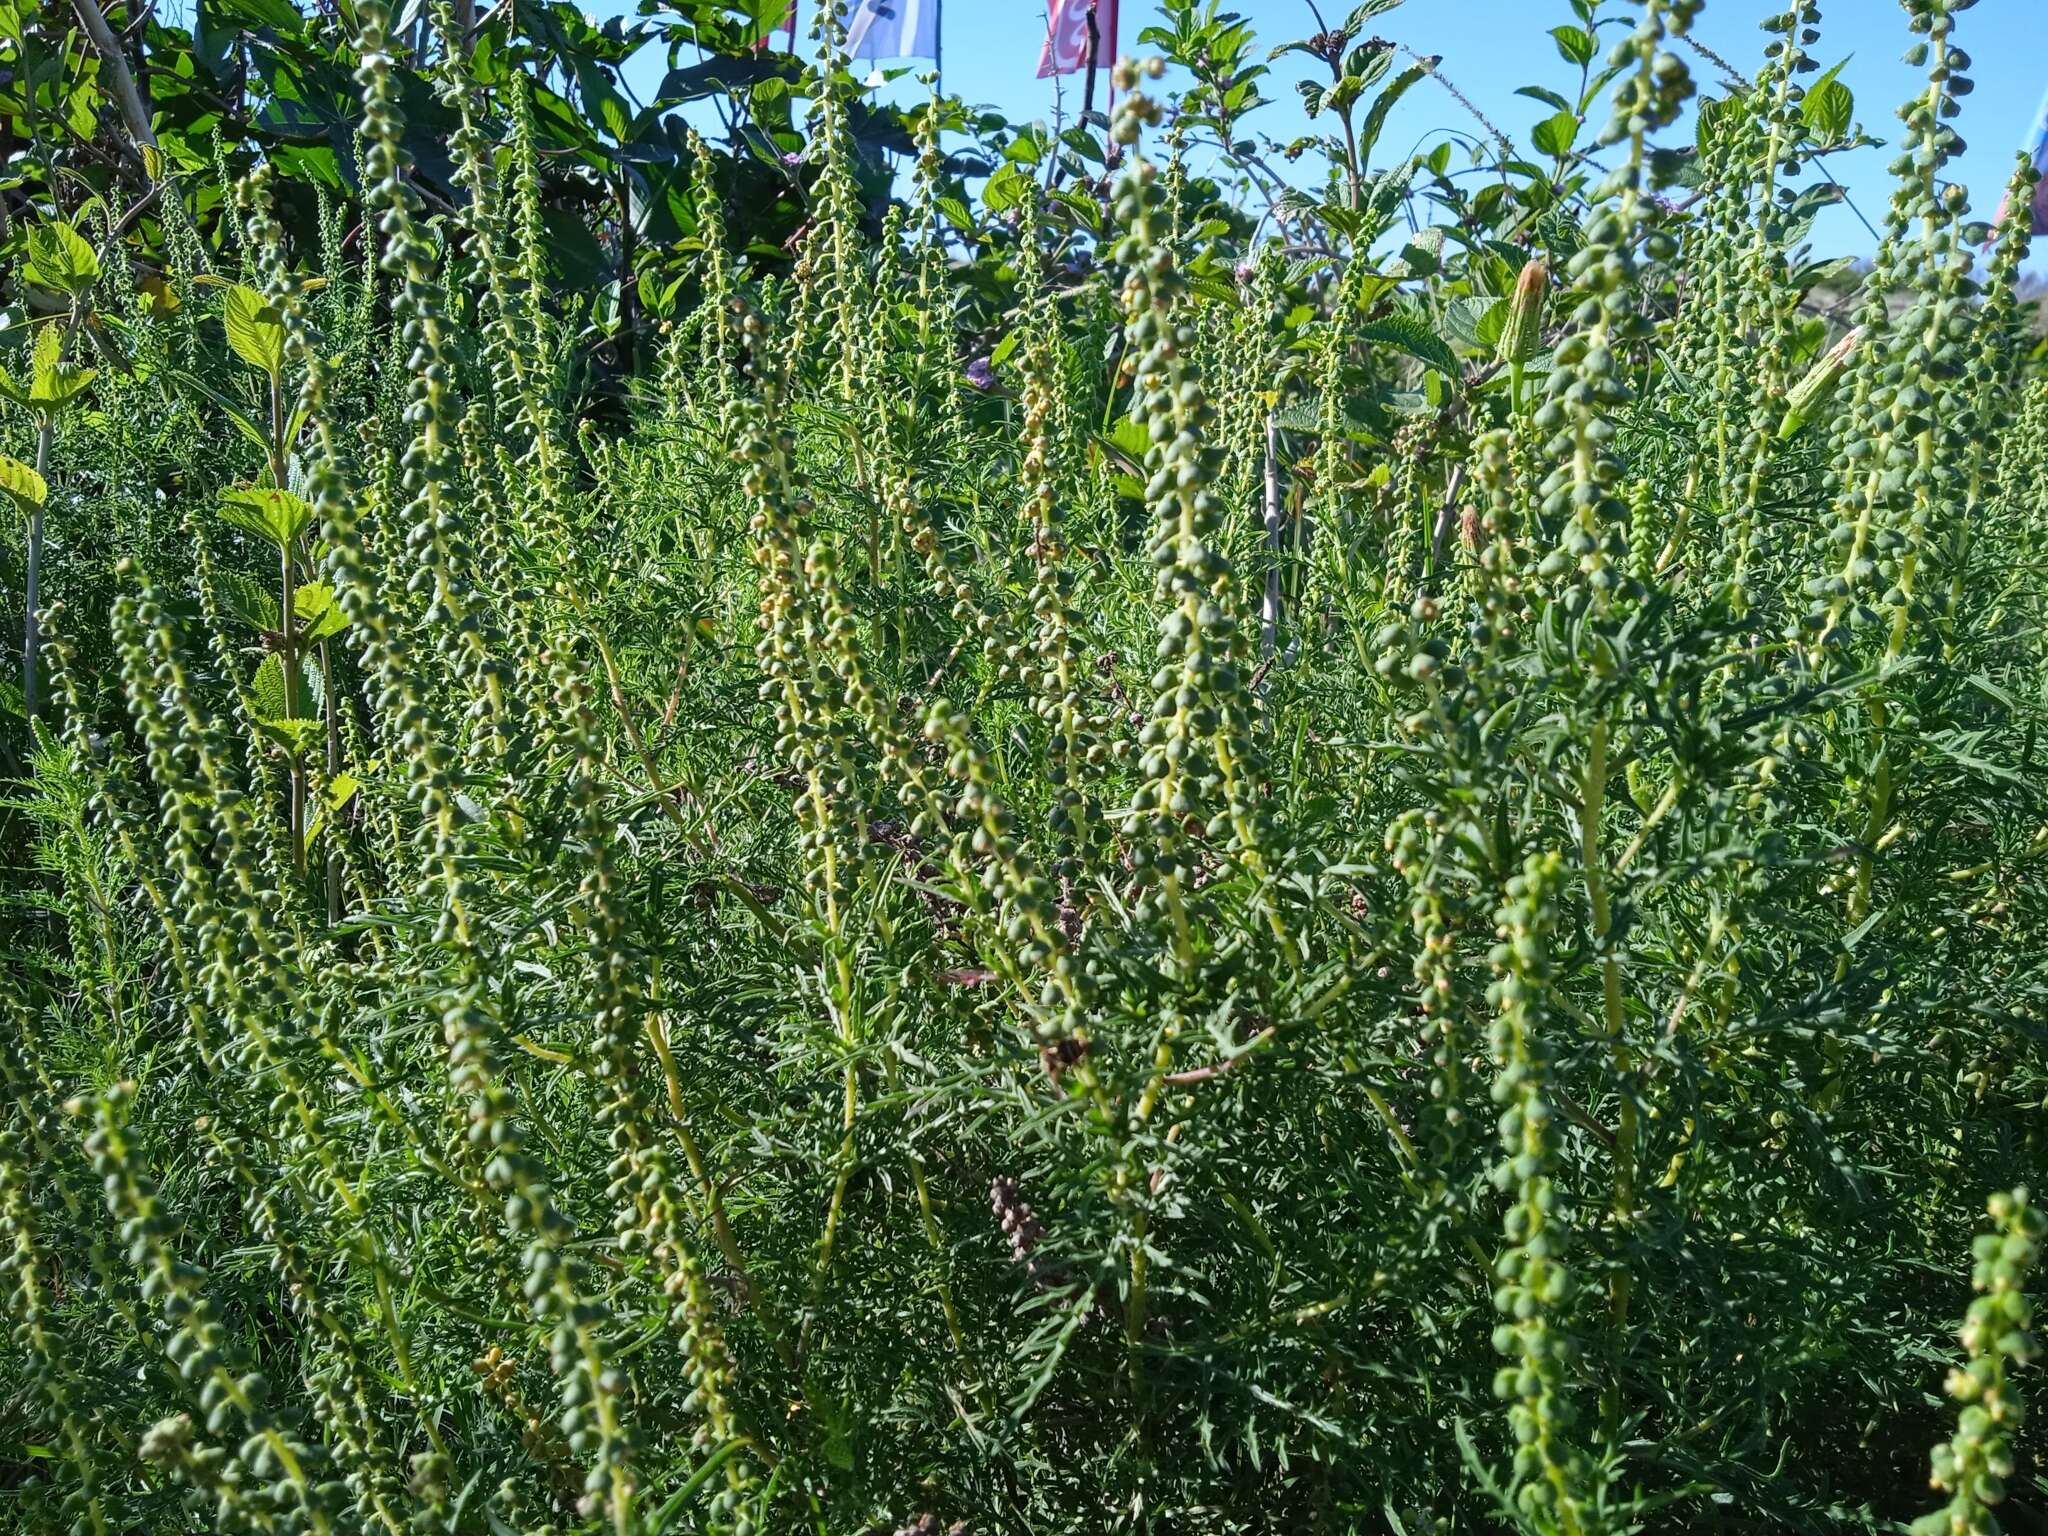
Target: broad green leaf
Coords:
[[55, 382], [1375, 118], [1367, 64], [955, 213], [1415, 338], [1555, 135], [1086, 211], [266, 689], [1829, 108], [1575, 44], [60, 258], [255, 330], [248, 600], [1004, 190], [335, 795], [1126, 443], [22, 483], [227, 407], [318, 614], [299, 735], [276, 515]]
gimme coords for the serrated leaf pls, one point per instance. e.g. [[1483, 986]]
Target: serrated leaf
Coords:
[[276, 515], [315, 607], [297, 735], [22, 483], [1464, 315], [255, 330], [955, 213], [266, 689], [248, 600], [1556, 134], [54, 382], [1829, 108], [1415, 338], [1086, 211], [1131, 440], [1574, 44], [1004, 190], [60, 258]]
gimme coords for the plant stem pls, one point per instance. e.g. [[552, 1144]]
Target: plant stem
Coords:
[[31, 636]]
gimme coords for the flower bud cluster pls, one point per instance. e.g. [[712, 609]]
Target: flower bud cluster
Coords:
[[594, 1392], [1535, 1287], [25, 1301], [341, 1383], [1768, 131], [831, 309], [238, 1452], [1997, 1333], [815, 732], [1991, 386], [1897, 443], [1413, 847], [649, 1211], [1199, 764], [719, 341], [456, 619], [1588, 385], [1076, 746], [1018, 1220]]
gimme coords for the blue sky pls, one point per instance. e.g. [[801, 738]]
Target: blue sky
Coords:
[[1490, 47]]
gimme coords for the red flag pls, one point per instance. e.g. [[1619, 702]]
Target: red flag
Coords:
[[1066, 36]]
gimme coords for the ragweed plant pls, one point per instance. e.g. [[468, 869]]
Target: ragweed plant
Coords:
[[1084, 855]]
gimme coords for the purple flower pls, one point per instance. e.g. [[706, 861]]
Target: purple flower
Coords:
[[1244, 271], [793, 159], [980, 374]]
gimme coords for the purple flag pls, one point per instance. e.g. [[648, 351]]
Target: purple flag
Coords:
[[2037, 148]]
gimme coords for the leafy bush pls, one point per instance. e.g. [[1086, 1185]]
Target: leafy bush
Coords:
[[1368, 877]]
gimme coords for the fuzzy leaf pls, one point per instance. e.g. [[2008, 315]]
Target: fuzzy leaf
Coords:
[[314, 606], [1004, 190], [22, 483], [1415, 338], [247, 599], [55, 382], [59, 258], [266, 689], [1575, 44], [1555, 135], [255, 330], [276, 515], [1829, 108]]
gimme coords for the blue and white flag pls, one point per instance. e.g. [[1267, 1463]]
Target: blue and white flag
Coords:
[[893, 29]]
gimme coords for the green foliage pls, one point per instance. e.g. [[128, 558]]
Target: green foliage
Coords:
[[1080, 858]]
